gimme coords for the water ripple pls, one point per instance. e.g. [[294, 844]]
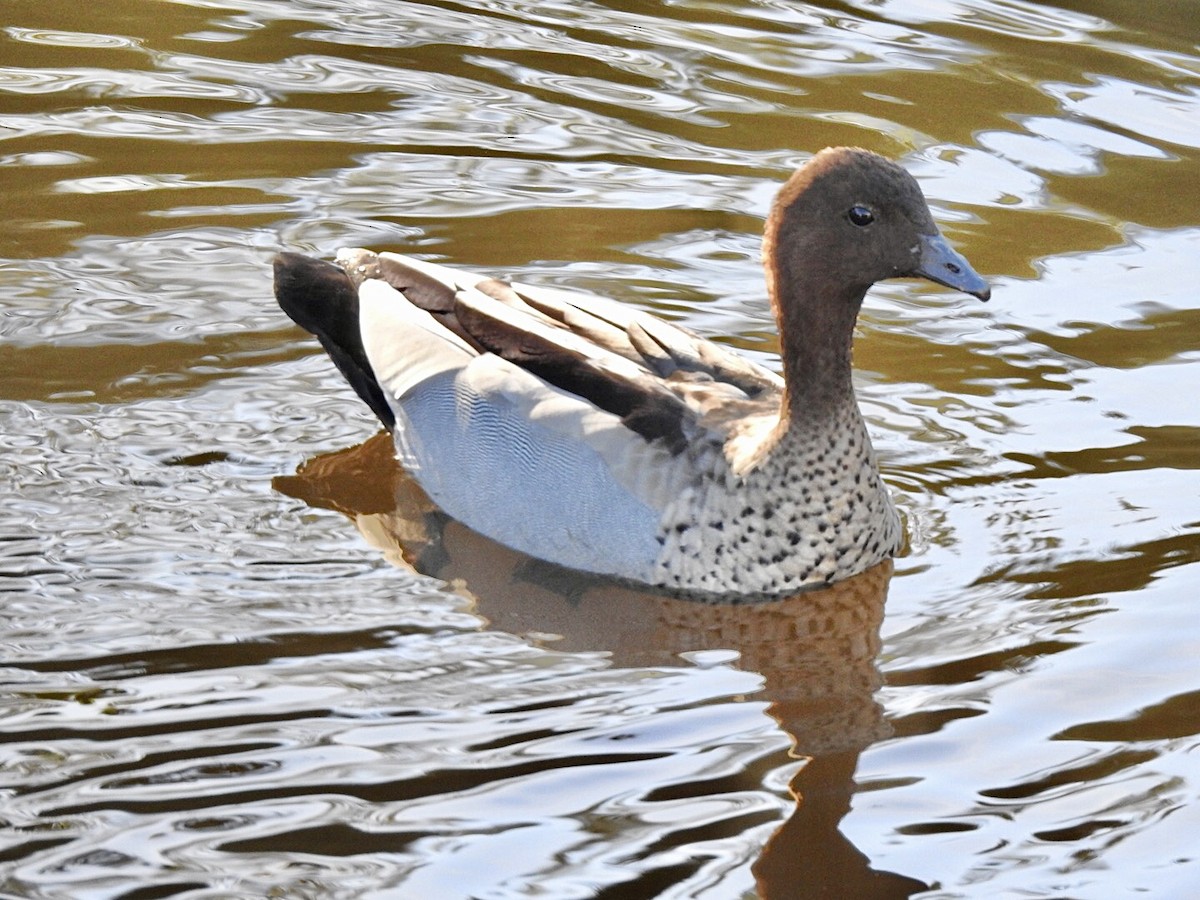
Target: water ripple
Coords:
[[211, 685]]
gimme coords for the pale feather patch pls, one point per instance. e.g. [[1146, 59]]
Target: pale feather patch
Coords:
[[453, 278], [647, 471], [751, 442], [405, 345], [531, 466]]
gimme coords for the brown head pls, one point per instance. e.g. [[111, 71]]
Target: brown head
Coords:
[[847, 219]]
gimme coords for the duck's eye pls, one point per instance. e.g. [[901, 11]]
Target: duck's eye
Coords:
[[861, 216]]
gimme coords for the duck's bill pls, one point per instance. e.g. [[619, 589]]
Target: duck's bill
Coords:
[[942, 264]]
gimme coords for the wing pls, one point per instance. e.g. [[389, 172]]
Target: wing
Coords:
[[664, 382]]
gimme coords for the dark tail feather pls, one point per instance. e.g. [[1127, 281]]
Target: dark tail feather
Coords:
[[320, 299]]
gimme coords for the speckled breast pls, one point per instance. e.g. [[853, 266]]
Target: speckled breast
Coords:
[[813, 511]]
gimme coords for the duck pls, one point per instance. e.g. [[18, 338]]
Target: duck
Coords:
[[599, 437]]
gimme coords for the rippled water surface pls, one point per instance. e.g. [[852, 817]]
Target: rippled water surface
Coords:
[[221, 674]]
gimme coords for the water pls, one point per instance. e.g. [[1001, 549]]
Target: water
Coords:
[[221, 678]]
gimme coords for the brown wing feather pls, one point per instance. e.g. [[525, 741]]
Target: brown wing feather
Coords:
[[553, 354], [663, 347]]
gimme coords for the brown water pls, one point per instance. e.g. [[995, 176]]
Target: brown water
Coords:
[[221, 679]]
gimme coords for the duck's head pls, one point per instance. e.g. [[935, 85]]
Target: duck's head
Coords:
[[850, 218]]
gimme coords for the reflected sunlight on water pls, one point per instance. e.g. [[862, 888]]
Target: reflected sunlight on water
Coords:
[[223, 679]]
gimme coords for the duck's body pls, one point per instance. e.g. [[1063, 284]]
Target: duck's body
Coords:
[[606, 440]]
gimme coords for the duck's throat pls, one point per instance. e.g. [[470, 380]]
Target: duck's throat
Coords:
[[817, 335]]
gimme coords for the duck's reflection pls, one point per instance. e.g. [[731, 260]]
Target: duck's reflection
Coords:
[[816, 651]]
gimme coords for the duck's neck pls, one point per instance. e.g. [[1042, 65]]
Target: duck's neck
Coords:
[[816, 329]]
